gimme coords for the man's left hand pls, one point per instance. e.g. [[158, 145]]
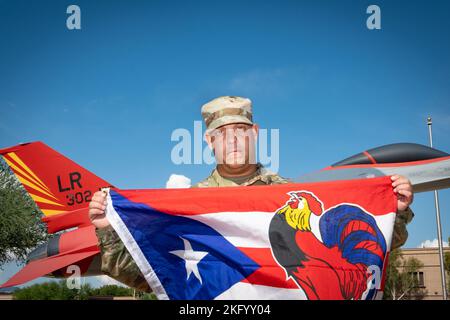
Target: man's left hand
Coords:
[[404, 191]]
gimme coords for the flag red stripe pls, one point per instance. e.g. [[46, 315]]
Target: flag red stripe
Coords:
[[255, 198], [270, 273]]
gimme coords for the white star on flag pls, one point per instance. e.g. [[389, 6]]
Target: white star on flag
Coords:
[[191, 258]]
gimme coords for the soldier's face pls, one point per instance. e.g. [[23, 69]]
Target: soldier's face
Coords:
[[234, 144]]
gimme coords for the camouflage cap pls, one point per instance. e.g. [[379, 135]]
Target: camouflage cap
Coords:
[[227, 110]]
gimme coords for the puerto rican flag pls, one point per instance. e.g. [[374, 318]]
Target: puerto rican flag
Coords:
[[227, 243]]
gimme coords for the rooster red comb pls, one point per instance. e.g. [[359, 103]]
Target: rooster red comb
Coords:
[[314, 204]]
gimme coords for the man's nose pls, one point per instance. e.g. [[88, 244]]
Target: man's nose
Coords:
[[231, 137]]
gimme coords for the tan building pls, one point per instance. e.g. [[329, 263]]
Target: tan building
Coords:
[[429, 276], [6, 296]]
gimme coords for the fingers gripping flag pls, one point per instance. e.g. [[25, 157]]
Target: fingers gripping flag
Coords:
[[326, 240]]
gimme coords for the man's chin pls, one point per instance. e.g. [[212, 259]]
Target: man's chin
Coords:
[[235, 159], [235, 165]]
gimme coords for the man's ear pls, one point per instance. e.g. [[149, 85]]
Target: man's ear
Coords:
[[255, 129]]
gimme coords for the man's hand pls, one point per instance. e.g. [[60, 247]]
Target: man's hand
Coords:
[[97, 208], [403, 189]]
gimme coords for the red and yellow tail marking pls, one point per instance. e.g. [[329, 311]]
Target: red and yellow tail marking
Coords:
[[46, 201], [48, 212]]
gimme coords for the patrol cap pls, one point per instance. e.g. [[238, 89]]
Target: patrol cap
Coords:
[[227, 110]]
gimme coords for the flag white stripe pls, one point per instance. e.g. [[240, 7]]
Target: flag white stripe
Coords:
[[241, 229], [247, 291], [251, 229]]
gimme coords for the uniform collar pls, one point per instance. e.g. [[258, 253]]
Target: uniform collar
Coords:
[[223, 181]]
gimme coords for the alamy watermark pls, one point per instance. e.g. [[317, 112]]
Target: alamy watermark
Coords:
[[74, 280], [233, 145], [73, 21], [373, 22]]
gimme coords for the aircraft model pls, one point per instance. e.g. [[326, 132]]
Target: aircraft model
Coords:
[[62, 191]]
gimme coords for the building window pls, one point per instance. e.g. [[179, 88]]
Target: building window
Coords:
[[420, 278]]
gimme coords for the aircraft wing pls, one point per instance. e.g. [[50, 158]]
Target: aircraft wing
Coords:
[[427, 168], [84, 255]]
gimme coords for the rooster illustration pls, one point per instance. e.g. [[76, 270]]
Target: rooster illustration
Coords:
[[335, 264]]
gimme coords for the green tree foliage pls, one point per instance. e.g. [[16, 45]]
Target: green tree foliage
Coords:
[[60, 291], [112, 290], [146, 296], [402, 282], [52, 291], [20, 226]]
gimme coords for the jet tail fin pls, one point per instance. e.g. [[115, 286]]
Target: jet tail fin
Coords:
[[60, 188]]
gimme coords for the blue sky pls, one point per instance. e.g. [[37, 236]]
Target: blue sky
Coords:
[[109, 95]]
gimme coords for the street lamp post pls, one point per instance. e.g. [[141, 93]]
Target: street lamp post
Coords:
[[438, 222]]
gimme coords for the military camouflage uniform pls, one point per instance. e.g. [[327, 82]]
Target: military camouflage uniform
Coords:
[[262, 176], [117, 262], [400, 234]]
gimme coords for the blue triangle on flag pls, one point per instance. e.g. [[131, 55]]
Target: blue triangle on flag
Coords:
[[163, 237]]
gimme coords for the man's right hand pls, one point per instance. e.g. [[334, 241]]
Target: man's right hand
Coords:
[[97, 208]]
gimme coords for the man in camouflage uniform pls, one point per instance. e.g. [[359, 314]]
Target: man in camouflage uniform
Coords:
[[231, 134]]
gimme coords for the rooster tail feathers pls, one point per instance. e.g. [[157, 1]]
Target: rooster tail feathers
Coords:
[[355, 233]]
